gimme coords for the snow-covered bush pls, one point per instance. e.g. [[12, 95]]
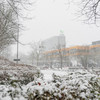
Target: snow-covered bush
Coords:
[[79, 85], [11, 92], [24, 77], [74, 86], [10, 71]]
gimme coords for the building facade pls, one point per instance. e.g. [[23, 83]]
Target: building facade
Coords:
[[54, 42], [87, 56]]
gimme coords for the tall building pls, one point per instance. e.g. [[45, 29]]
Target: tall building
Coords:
[[54, 42]]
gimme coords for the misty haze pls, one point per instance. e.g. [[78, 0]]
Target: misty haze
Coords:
[[49, 50]]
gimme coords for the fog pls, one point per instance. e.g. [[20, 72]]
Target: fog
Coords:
[[49, 18]]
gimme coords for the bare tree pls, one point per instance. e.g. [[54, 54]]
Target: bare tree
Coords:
[[85, 57], [36, 52], [10, 13], [51, 58], [90, 9], [8, 26], [60, 54]]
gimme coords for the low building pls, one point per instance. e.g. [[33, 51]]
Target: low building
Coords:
[[95, 42]]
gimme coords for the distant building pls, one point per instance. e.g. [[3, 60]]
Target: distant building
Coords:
[[95, 42], [53, 42]]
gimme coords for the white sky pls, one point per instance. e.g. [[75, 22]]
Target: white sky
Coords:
[[51, 16]]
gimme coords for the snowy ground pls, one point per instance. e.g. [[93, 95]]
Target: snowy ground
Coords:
[[48, 73], [24, 82]]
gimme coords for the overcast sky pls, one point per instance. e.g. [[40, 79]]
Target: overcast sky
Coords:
[[51, 16]]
